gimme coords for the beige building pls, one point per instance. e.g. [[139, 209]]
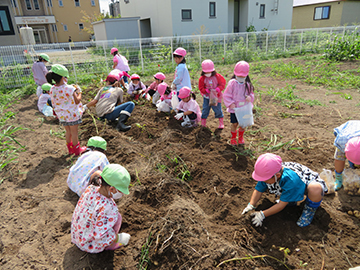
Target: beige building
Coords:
[[54, 21], [325, 13]]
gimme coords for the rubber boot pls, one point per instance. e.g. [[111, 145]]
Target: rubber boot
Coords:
[[70, 148], [203, 122], [78, 149], [124, 115], [221, 123], [233, 138], [308, 212], [338, 180], [241, 136]]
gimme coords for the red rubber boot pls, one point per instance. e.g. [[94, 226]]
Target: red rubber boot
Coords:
[[241, 136]]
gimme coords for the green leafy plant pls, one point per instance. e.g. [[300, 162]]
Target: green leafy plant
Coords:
[[144, 255], [181, 169]]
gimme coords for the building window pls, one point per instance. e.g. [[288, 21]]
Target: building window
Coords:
[[322, 13], [28, 4], [49, 3], [93, 3], [212, 10], [6, 27], [262, 11], [77, 3], [36, 4], [81, 26], [65, 27], [54, 27], [13, 3], [186, 14], [61, 3]]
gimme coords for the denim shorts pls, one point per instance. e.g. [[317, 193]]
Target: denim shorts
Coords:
[[77, 122]]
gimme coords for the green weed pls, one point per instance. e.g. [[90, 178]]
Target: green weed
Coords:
[[181, 169], [60, 133], [144, 255]]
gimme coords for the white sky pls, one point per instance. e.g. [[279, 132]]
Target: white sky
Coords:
[[104, 5]]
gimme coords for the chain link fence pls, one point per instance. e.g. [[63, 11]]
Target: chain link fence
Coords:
[[91, 60]]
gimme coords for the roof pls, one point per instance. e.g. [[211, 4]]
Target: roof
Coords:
[[299, 3]]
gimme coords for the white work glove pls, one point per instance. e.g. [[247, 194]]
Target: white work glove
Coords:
[[123, 238], [85, 108], [173, 86], [178, 116], [248, 208], [258, 218]]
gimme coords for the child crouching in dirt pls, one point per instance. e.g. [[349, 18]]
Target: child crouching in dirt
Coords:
[[164, 103], [152, 90], [91, 161], [96, 221], [289, 180], [136, 87], [188, 109]]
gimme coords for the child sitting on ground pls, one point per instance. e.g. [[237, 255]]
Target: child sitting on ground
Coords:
[[92, 160], [188, 109], [96, 221], [45, 99], [136, 87]]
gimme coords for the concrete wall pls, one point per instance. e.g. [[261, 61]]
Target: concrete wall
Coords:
[[303, 16], [12, 39], [351, 13], [230, 16]]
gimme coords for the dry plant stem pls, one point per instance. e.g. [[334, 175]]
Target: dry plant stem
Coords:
[[339, 113], [342, 249], [322, 265], [93, 118], [203, 257]]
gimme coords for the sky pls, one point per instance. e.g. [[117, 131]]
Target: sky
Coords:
[[104, 5]]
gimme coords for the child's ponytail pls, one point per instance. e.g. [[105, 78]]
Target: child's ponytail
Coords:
[[98, 181], [193, 96], [50, 76], [249, 88]]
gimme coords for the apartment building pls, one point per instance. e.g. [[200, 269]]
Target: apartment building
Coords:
[[54, 21]]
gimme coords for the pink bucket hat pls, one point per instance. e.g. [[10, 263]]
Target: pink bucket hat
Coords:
[[113, 50], [162, 88], [352, 150], [184, 92], [160, 76], [135, 77], [241, 69], [266, 166], [207, 66], [180, 51]]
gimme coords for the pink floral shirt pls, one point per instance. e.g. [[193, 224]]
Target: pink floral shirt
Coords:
[[64, 104], [93, 220]]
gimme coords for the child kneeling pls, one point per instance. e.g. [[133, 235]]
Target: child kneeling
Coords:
[[96, 221]]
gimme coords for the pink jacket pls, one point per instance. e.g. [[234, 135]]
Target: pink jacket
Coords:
[[212, 82], [191, 105], [235, 94], [153, 86]]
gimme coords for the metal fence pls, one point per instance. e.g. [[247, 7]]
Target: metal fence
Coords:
[[92, 60]]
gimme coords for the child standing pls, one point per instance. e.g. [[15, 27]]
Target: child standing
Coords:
[[238, 92], [347, 144], [66, 101], [39, 72], [182, 76], [188, 109], [289, 180], [211, 84], [120, 62], [96, 221], [87, 164], [136, 87]]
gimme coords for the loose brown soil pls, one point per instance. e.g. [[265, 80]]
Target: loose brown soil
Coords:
[[194, 224]]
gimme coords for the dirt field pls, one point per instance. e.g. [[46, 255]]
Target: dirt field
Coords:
[[194, 224]]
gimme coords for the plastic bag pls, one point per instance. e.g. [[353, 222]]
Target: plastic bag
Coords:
[[351, 182], [174, 100], [155, 97], [244, 115], [213, 98], [48, 111], [162, 106], [328, 177]]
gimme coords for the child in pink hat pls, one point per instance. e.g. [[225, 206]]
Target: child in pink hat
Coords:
[[347, 144], [188, 109], [165, 97], [211, 84], [181, 76], [136, 87], [238, 92], [288, 180], [152, 89], [120, 62]]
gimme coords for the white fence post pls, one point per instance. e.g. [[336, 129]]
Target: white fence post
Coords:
[[172, 49], [107, 65], [224, 49], [72, 61], [267, 39], [284, 41], [141, 55]]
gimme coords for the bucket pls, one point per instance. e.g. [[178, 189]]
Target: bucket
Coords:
[[244, 115]]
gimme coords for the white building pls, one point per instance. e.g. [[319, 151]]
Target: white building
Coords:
[[187, 17]]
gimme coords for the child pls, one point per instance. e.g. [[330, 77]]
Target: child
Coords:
[[188, 109], [119, 76], [211, 83], [92, 160], [182, 76], [120, 62], [136, 87], [164, 104], [237, 93], [66, 101], [44, 97], [347, 144], [159, 78], [289, 180], [108, 104], [39, 72], [96, 221]]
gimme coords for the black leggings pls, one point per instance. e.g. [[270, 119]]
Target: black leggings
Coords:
[[192, 116]]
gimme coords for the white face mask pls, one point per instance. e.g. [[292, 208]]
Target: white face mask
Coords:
[[65, 79], [241, 80], [116, 195], [207, 75]]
